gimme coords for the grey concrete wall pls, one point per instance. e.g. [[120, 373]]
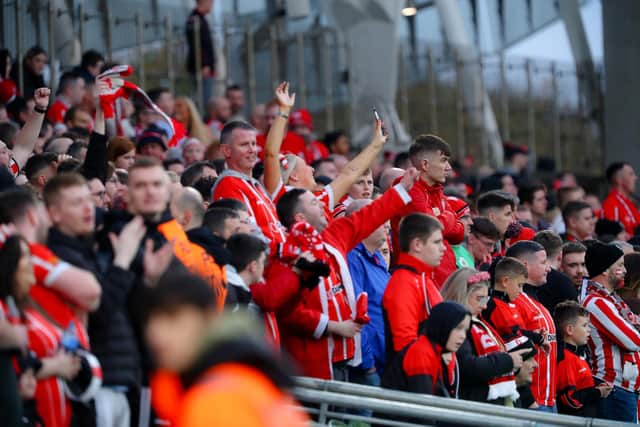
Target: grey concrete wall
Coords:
[[622, 91]]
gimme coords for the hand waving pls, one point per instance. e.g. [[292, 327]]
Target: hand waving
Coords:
[[41, 97], [156, 263], [284, 100]]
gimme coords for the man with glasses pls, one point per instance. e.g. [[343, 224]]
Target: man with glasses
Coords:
[[481, 241]]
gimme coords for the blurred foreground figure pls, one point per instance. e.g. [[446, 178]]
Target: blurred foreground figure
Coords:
[[218, 371]]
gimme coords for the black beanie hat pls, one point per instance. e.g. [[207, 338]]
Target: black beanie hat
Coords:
[[444, 317], [600, 257]]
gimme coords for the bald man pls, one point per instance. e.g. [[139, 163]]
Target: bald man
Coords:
[[388, 176], [187, 207]]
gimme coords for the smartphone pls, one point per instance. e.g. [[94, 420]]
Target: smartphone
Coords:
[[383, 131]]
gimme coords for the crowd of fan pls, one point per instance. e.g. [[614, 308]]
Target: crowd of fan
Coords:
[[171, 270]]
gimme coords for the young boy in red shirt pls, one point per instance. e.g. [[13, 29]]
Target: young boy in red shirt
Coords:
[[509, 277], [577, 393]]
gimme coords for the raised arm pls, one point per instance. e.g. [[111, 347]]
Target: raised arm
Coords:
[[356, 167], [96, 163], [28, 135], [272, 176]]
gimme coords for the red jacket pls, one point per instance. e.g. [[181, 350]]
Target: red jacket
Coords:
[[431, 201], [503, 315], [537, 318], [422, 366], [408, 299], [577, 394], [618, 207], [235, 185], [56, 112], [304, 322]]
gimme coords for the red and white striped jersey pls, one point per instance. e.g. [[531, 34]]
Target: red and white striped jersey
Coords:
[[614, 340], [537, 318]]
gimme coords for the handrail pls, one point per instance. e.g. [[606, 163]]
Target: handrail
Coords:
[[409, 410], [359, 392]]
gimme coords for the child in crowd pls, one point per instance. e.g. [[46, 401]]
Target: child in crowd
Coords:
[[577, 392]]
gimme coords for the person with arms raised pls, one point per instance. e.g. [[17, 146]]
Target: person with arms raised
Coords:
[[320, 328]]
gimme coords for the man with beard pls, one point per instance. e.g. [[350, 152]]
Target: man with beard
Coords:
[[614, 340]]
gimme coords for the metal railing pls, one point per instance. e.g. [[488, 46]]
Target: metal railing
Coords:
[[537, 103], [388, 405]]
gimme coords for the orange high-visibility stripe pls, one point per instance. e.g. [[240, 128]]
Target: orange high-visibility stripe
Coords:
[[196, 259]]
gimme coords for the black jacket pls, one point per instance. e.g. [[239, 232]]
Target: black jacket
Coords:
[[110, 329], [135, 303], [559, 288], [207, 53], [475, 372], [214, 245]]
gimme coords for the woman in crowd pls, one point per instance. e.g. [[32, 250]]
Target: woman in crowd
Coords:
[[16, 278], [121, 152], [187, 114], [486, 369], [33, 65]]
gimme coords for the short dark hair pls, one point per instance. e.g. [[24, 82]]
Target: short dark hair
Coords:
[[573, 248], [233, 204], [427, 144], [416, 226], [71, 114], [566, 313], [509, 267], [551, 242], [527, 191], [495, 199], [15, 203], [76, 148], [244, 249], [69, 165], [204, 186], [60, 182], [563, 193], [215, 219], [484, 227], [400, 159], [67, 80], [316, 163], [91, 58], [227, 130], [330, 138], [37, 163], [613, 169], [156, 93], [524, 248], [179, 288], [572, 209], [194, 172], [8, 133], [289, 205], [232, 87]]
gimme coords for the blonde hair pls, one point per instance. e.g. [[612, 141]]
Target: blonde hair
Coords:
[[195, 125], [457, 288]]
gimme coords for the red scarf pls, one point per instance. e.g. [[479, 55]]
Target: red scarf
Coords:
[[303, 238], [487, 341]]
